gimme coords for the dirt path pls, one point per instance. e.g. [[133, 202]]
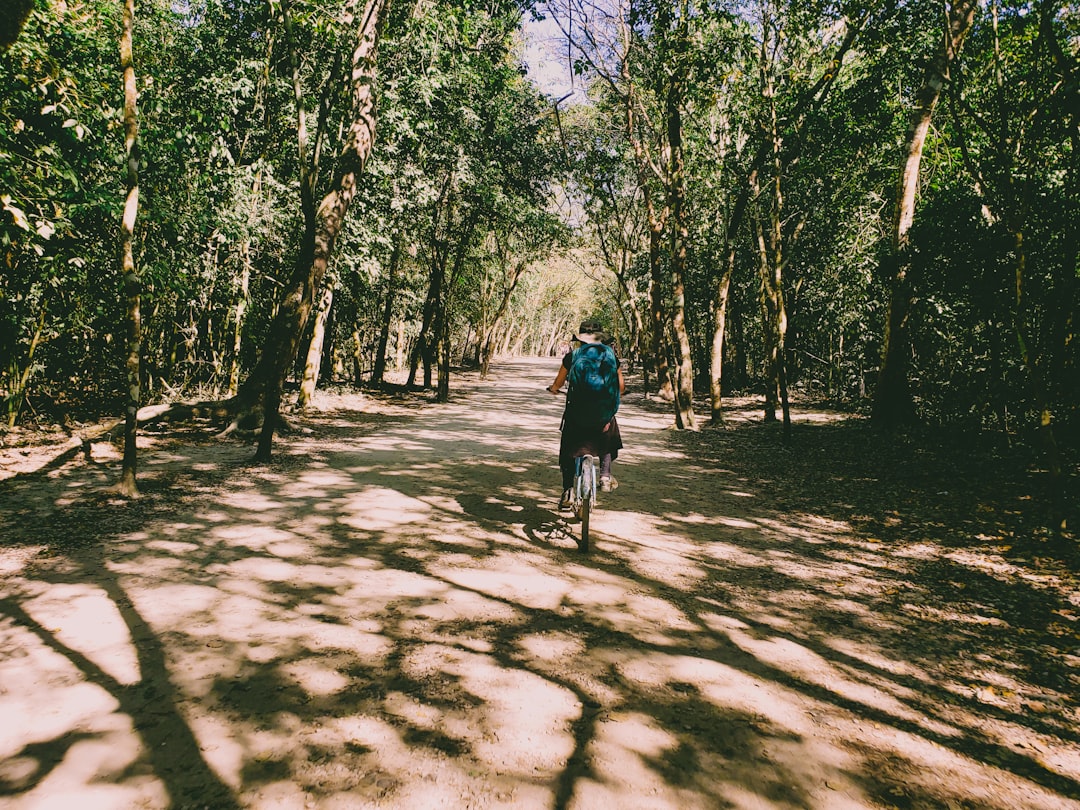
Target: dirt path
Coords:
[[394, 615]]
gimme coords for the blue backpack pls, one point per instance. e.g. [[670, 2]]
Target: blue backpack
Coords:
[[592, 397]]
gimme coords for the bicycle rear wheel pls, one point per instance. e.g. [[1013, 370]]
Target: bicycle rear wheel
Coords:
[[586, 509], [587, 493]]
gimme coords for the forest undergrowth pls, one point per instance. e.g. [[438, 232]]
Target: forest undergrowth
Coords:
[[950, 488]]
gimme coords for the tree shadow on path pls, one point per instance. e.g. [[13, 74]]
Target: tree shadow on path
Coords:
[[392, 613]]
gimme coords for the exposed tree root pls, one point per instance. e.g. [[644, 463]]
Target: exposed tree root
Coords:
[[243, 418]]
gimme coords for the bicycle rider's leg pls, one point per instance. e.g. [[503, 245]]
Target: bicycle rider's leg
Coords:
[[607, 480], [605, 465], [612, 443], [567, 469]]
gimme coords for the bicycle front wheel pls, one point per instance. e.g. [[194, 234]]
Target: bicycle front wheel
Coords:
[[586, 509]]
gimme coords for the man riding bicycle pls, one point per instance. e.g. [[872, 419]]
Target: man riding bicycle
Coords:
[[588, 424]]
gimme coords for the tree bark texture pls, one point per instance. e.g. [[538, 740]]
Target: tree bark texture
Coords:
[[684, 371], [425, 341], [444, 310], [240, 307], [132, 285], [722, 291], [314, 358], [893, 403], [422, 350], [657, 319], [379, 371], [487, 350], [773, 254], [768, 317], [813, 98], [314, 256]]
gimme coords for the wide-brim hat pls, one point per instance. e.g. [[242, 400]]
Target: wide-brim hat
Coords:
[[591, 332]]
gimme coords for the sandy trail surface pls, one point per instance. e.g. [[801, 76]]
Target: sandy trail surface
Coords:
[[394, 614]]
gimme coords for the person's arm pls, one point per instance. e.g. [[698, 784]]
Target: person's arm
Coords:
[[560, 378]]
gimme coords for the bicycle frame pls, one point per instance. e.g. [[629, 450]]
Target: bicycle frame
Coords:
[[585, 477], [585, 488]]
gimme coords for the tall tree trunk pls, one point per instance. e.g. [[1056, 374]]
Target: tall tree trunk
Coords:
[[488, 342], [657, 315], [445, 311], [425, 341], [768, 319], [329, 364], [240, 307], [313, 361], [516, 348], [809, 101], [738, 357], [773, 256], [635, 324], [379, 371], [716, 356], [504, 337], [893, 403], [471, 342], [646, 170], [684, 371], [442, 354], [560, 326], [315, 254], [21, 379], [357, 355], [308, 172], [132, 284]]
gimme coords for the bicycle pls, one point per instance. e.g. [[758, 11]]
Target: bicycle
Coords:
[[583, 494]]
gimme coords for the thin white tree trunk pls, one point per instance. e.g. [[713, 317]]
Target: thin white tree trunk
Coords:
[[313, 362], [132, 285]]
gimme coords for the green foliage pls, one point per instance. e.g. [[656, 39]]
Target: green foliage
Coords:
[[1003, 137], [471, 160], [57, 117], [463, 138]]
